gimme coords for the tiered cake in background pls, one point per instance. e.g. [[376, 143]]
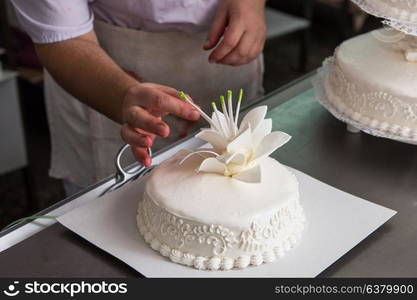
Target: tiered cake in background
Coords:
[[398, 14], [371, 81]]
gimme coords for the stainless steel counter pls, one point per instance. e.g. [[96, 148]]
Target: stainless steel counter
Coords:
[[378, 170]]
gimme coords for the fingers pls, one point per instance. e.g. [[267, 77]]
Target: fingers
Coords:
[[257, 49], [166, 89], [217, 29], [242, 53], [142, 156], [143, 132], [158, 100], [232, 36], [143, 107], [170, 104], [244, 36], [138, 117], [135, 138], [174, 93], [139, 141]]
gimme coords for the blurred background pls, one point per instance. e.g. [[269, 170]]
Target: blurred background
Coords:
[[301, 34]]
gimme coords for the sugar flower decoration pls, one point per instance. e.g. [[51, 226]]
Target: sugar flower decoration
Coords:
[[236, 150]]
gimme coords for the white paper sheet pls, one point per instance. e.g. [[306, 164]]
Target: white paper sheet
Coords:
[[337, 221]]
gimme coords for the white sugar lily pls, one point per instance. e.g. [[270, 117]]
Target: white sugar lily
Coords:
[[237, 150]]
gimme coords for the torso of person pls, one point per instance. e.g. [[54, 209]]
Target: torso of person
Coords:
[[159, 40]]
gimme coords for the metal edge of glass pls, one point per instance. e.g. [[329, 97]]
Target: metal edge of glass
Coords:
[[264, 99]]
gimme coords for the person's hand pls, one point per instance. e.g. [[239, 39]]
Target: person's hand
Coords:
[[143, 107], [242, 25]]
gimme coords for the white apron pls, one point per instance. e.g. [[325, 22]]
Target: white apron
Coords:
[[85, 142]]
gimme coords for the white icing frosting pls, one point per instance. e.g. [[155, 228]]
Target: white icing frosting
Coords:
[[269, 256], [257, 259], [227, 263], [242, 262], [200, 262], [188, 259], [371, 83], [398, 41], [216, 199], [165, 249], [213, 222], [176, 256], [155, 244], [214, 263]]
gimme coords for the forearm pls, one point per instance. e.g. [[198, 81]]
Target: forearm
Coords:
[[85, 71], [82, 68]]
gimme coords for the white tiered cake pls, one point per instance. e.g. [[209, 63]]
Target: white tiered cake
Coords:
[[224, 207], [370, 82]]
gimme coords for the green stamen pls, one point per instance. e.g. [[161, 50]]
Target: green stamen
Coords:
[[240, 95], [182, 95], [222, 102]]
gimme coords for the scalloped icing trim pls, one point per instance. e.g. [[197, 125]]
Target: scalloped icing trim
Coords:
[[215, 263], [406, 28], [388, 12], [340, 111], [396, 22]]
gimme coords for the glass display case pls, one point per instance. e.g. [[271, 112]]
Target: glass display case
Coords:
[[379, 170]]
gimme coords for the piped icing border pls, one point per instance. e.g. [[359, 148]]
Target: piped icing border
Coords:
[[400, 19], [408, 28], [338, 109], [220, 262], [383, 10]]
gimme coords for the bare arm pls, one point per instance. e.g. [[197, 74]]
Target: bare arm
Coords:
[[84, 70]]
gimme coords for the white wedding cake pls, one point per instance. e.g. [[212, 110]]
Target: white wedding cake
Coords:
[[227, 206], [370, 82]]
